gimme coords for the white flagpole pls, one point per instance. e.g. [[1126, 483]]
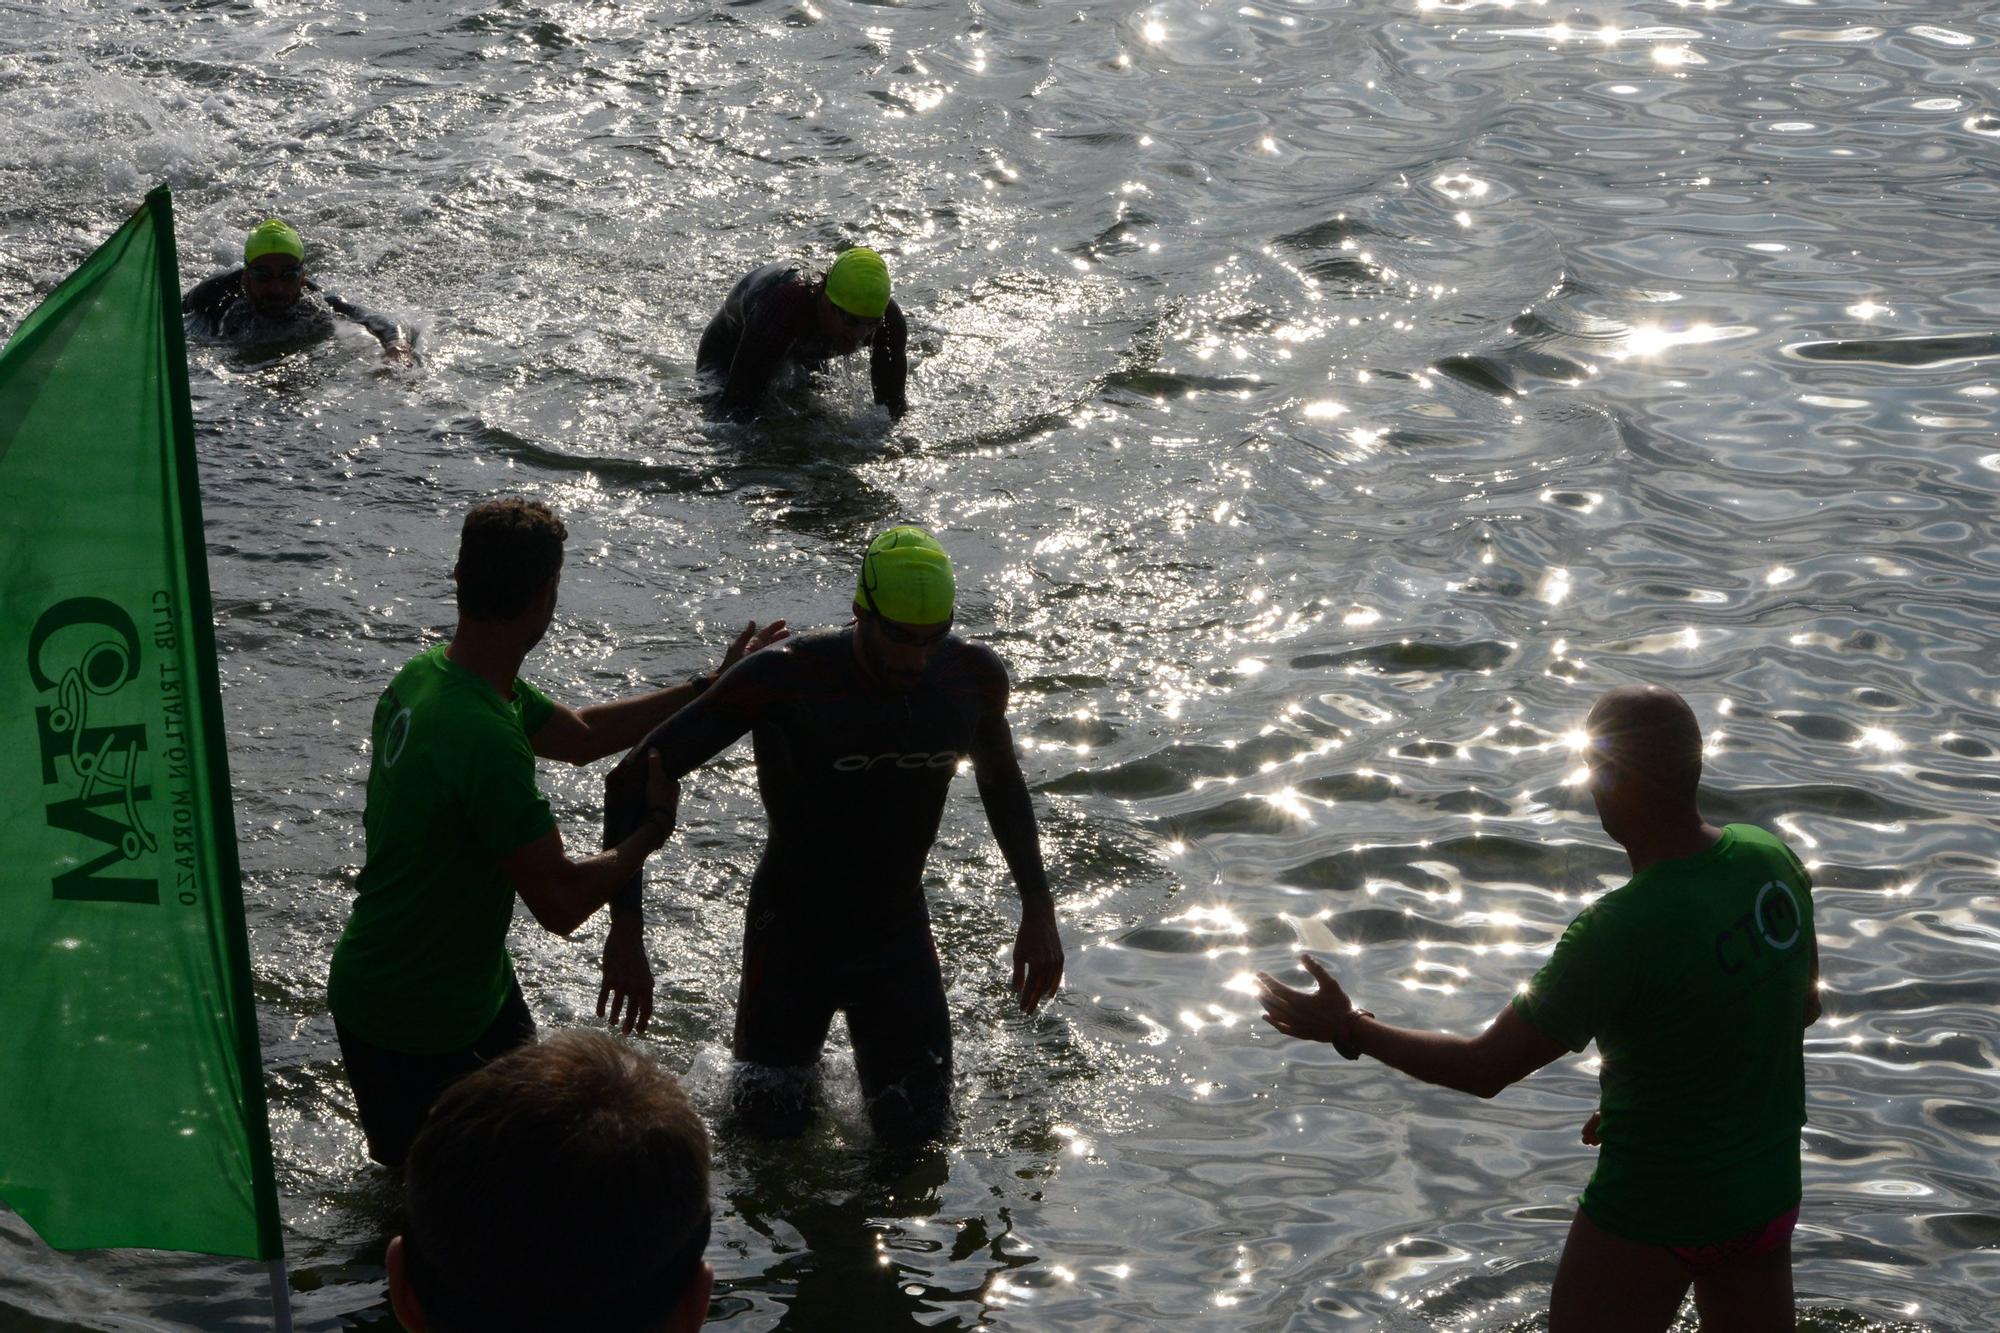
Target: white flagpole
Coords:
[[281, 1297]]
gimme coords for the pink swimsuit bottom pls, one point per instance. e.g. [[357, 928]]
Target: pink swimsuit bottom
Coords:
[[1760, 1240]]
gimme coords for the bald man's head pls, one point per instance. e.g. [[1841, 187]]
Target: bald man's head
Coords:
[[1646, 736]]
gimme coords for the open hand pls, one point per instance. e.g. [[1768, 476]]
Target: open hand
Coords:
[[628, 978], [1590, 1128], [750, 640], [1324, 1014], [1038, 958]]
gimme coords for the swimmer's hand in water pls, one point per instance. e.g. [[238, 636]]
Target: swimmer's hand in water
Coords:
[[1590, 1128], [627, 991], [1323, 1014], [1038, 957], [750, 640], [399, 353]]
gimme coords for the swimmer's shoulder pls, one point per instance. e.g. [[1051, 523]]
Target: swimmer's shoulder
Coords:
[[796, 660], [978, 664]]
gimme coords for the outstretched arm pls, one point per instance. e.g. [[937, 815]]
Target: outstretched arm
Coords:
[[395, 339], [584, 735], [1508, 1050], [683, 743], [1038, 952], [674, 748]]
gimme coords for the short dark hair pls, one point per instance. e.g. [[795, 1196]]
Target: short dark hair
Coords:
[[565, 1185], [1651, 734], [507, 550]]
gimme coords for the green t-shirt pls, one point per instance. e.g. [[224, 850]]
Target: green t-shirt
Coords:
[[422, 966], [1693, 980]]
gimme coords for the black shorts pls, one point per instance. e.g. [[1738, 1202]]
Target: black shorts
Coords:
[[795, 980], [394, 1090]]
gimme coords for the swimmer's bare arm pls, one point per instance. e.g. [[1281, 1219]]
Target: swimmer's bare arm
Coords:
[[561, 893], [1038, 951], [584, 735], [1508, 1050]]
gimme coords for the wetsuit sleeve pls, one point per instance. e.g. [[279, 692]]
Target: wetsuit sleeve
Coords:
[[685, 741], [773, 322], [1002, 788], [889, 361], [1584, 984], [206, 300], [718, 345], [387, 331]]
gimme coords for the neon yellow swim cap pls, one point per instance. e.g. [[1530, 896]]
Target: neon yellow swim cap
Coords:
[[906, 577], [858, 283], [273, 237]]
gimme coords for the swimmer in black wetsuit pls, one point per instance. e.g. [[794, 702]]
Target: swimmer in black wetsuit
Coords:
[[858, 734], [780, 313], [270, 299]]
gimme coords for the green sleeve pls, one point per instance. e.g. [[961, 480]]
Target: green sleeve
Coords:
[[536, 708], [504, 809], [1582, 985]]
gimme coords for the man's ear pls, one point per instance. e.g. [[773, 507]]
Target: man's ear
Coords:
[[691, 1310], [403, 1296]]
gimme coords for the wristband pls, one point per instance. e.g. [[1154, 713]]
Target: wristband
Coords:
[[1351, 1049]]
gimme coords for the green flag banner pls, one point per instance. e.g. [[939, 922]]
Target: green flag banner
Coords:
[[131, 1088]]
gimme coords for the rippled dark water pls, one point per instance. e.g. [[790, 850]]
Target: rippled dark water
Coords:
[[1323, 402]]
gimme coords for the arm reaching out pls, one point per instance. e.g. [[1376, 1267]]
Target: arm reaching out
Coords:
[[585, 735], [1508, 1050]]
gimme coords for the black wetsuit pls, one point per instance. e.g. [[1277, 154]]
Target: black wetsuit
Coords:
[[219, 309], [771, 317], [853, 777]]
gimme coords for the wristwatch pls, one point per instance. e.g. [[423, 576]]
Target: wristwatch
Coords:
[[700, 681], [1351, 1049]]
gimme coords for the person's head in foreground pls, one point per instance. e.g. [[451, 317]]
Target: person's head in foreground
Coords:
[[563, 1186], [510, 555], [852, 297], [902, 605], [1644, 754], [274, 268]]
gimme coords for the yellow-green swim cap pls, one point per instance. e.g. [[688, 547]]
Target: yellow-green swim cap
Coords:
[[858, 283], [906, 577], [273, 237]]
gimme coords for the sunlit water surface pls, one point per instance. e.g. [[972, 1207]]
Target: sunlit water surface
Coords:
[[1322, 402]]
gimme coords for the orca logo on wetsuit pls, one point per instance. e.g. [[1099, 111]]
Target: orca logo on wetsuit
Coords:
[[863, 763]]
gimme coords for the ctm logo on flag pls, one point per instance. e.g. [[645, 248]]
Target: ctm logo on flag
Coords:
[[98, 758]]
